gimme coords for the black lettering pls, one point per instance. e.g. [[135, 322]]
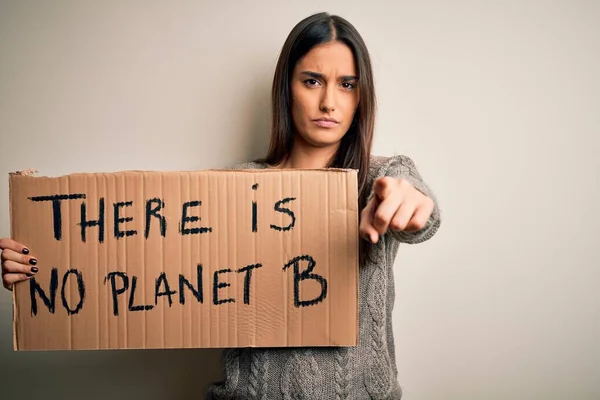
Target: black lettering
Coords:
[[248, 269], [306, 274], [80, 289], [162, 280], [186, 231], [254, 217], [254, 211], [99, 222], [218, 285], [34, 288], [56, 214], [287, 211], [184, 282], [132, 298], [153, 212], [117, 291], [118, 220]]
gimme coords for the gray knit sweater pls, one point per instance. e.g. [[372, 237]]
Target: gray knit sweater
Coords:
[[367, 371]]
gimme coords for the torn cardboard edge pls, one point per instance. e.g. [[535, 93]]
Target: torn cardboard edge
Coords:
[[35, 173]]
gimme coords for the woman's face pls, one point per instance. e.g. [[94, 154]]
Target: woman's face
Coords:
[[324, 91]]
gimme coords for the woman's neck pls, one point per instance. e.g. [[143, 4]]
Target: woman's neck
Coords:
[[306, 156]]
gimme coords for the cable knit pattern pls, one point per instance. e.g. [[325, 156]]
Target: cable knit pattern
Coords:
[[232, 363], [366, 371], [259, 365], [300, 369], [342, 374], [378, 379]]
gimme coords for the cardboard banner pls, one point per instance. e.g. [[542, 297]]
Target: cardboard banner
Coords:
[[259, 258]]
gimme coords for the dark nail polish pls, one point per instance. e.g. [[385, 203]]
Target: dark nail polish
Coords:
[[29, 275], [25, 250], [32, 261], [34, 269]]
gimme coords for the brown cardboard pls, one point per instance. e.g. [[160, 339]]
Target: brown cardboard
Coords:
[[322, 204]]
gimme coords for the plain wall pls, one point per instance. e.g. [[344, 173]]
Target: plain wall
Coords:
[[497, 102]]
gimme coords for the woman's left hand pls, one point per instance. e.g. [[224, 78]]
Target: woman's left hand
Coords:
[[396, 205]]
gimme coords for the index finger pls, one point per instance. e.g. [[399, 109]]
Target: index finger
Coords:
[[8, 243], [366, 229], [383, 187]]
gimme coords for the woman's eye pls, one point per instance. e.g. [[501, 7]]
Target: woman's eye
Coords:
[[348, 85], [311, 82]]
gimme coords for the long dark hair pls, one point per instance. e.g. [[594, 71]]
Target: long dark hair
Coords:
[[355, 147]]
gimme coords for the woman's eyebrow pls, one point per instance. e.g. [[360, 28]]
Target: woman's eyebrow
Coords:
[[317, 75]]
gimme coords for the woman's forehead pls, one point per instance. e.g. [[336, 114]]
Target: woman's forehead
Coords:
[[333, 57]]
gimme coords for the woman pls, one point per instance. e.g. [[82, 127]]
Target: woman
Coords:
[[323, 104]]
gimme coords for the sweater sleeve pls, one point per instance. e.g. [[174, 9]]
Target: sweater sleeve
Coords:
[[403, 167]]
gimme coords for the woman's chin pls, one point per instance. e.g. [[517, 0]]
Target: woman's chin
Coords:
[[323, 138], [323, 144]]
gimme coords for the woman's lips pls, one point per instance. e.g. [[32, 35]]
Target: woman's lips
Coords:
[[326, 123]]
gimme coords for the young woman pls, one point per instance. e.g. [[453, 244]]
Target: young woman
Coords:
[[323, 104]]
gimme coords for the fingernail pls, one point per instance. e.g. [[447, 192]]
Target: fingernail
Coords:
[[29, 275], [32, 261], [34, 269], [25, 250]]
